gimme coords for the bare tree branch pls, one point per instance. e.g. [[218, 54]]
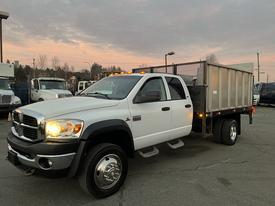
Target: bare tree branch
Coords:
[[42, 61], [55, 63]]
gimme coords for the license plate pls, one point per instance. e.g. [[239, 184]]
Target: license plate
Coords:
[[12, 157]]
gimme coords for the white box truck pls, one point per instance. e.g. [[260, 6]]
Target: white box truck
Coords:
[[8, 101]]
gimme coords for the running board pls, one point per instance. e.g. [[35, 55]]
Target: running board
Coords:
[[146, 154], [175, 144]]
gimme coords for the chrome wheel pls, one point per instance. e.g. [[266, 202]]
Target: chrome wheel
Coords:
[[108, 171], [233, 132]]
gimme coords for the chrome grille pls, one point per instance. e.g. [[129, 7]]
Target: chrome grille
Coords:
[[5, 99], [28, 120], [26, 127], [30, 133]]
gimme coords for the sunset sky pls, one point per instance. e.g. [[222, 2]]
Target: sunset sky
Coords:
[[129, 33]]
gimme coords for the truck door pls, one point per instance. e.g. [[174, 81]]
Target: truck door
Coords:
[[150, 117], [181, 107]]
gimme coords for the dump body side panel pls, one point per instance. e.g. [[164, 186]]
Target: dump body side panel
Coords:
[[228, 88]]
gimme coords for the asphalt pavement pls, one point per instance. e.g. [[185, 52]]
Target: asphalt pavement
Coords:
[[200, 173]]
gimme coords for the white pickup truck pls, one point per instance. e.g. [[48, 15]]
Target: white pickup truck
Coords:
[[46, 88], [92, 135]]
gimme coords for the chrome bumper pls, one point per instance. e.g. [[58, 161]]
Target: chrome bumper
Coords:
[[58, 162]]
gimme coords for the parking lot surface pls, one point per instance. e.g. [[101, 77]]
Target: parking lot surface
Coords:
[[200, 173]]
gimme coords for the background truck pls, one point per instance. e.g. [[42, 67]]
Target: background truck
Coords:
[[46, 88], [92, 135], [82, 85], [8, 101], [265, 93]]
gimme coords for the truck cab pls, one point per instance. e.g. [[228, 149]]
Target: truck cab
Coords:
[[8, 101], [119, 114], [46, 88]]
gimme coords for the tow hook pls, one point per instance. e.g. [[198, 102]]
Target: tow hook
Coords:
[[29, 171]]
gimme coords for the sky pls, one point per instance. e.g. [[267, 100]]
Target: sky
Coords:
[[130, 33]]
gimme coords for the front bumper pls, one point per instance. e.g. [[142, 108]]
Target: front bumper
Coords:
[[8, 107], [44, 162], [43, 155]]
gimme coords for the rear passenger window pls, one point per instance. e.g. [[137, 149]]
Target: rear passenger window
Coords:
[[175, 88]]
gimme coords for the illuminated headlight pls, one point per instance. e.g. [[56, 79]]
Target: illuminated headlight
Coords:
[[63, 129]]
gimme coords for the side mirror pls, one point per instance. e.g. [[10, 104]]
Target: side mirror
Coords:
[[152, 96]]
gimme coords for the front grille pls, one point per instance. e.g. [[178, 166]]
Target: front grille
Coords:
[[30, 133], [6, 99], [26, 127], [28, 120]]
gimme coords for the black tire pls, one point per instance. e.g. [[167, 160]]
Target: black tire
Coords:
[[227, 137], [40, 100], [89, 176], [217, 130]]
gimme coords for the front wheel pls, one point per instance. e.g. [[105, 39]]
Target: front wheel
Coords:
[[104, 171], [229, 132]]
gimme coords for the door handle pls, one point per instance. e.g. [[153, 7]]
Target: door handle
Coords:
[[188, 106], [165, 109]]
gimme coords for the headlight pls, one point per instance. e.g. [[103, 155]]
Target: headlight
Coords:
[[17, 100], [63, 129]]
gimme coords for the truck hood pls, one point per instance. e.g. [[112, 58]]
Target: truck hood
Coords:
[[56, 107], [6, 92]]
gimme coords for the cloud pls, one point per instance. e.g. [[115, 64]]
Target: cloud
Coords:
[[231, 28]]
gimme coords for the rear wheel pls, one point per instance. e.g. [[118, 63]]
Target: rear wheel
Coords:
[[104, 171], [230, 132]]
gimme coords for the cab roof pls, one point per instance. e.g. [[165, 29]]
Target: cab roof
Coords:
[[147, 74], [51, 78]]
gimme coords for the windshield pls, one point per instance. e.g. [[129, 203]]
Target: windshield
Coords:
[[52, 84], [4, 84], [115, 87]]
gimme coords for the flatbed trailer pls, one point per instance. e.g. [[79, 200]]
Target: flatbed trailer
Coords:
[[217, 91]]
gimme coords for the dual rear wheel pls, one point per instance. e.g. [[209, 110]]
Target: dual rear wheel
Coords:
[[226, 131]]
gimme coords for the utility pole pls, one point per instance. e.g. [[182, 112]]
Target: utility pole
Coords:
[[165, 59], [33, 66], [258, 59], [1, 48], [3, 15], [266, 77]]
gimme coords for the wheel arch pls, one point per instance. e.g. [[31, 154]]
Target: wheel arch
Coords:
[[113, 131]]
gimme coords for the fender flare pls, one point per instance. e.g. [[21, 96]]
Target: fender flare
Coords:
[[91, 132]]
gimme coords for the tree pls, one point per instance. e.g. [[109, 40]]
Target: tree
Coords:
[[42, 61], [55, 62], [66, 68], [96, 69], [212, 59], [72, 68]]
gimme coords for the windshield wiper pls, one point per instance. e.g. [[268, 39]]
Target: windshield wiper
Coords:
[[97, 93]]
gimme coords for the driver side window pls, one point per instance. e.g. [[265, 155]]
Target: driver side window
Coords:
[[151, 86]]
